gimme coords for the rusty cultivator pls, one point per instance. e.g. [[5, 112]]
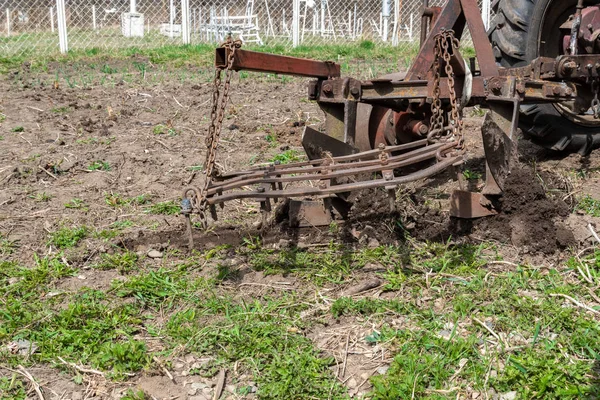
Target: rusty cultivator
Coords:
[[536, 69]]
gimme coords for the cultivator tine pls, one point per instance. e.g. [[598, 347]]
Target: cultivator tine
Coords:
[[213, 212], [189, 231], [316, 144], [469, 205], [265, 203], [307, 213], [499, 133]]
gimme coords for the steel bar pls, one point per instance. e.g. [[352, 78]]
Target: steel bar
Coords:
[[483, 46], [350, 170], [335, 166], [262, 62], [300, 192], [341, 159]]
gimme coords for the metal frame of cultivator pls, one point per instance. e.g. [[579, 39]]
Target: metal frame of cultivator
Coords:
[[401, 128]]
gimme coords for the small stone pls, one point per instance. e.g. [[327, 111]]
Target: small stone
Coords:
[[257, 224], [373, 243], [445, 334], [383, 370], [352, 383], [207, 391], [199, 385], [508, 396], [230, 388], [192, 392], [155, 254], [301, 246], [284, 243], [178, 365], [81, 277], [189, 358]]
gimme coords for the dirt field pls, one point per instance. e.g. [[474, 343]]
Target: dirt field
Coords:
[[96, 275]]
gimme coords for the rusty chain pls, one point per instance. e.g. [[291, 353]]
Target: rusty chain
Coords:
[[446, 44], [214, 130]]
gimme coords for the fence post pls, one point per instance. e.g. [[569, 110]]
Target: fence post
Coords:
[[63, 40], [52, 19], [385, 12], [94, 17], [296, 23], [7, 22], [185, 21], [486, 13], [323, 5], [171, 18]]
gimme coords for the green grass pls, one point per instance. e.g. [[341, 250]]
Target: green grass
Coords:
[[7, 246], [122, 262], [41, 197], [99, 166], [164, 208], [547, 347], [589, 205], [61, 110], [77, 204], [203, 56], [286, 157], [164, 130], [66, 237], [18, 129]]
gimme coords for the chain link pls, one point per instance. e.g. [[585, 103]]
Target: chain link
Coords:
[[446, 45], [216, 123]]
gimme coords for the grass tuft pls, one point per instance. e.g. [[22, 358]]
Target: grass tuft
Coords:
[[68, 237]]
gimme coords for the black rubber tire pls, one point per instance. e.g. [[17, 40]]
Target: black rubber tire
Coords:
[[515, 32]]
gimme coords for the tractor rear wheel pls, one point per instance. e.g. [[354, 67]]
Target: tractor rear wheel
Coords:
[[523, 30]]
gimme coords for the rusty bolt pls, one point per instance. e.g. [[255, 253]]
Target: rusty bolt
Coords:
[[556, 90], [569, 92], [260, 190], [568, 67], [354, 91], [521, 88], [327, 88], [496, 86], [423, 129]]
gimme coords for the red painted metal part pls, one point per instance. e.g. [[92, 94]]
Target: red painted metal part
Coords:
[[454, 16], [589, 32], [264, 62]]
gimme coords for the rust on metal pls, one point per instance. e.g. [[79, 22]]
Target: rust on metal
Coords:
[[305, 213], [470, 205], [263, 62]]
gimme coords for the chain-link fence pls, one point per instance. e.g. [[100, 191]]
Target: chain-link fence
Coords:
[[50, 26]]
